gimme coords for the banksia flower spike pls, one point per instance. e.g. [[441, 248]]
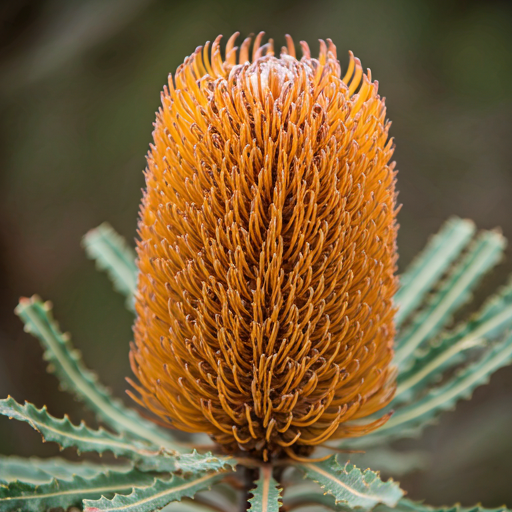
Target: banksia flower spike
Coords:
[[267, 251]]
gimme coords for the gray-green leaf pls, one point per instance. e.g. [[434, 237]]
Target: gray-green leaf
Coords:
[[81, 437], [31, 497], [483, 254], [155, 496], [491, 322], [350, 486], [266, 497], [422, 274], [73, 375], [195, 462], [37, 471], [147, 457], [410, 419], [406, 505], [113, 255]]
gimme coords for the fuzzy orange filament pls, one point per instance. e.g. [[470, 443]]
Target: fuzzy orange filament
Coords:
[[267, 251]]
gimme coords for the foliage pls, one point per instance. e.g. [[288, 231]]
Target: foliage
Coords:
[[266, 497], [438, 366], [155, 496], [21, 495], [113, 255], [350, 486], [67, 364]]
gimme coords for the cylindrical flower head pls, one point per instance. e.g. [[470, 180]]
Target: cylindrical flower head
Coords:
[[267, 251]]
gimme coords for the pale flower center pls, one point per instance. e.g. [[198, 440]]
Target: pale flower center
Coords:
[[271, 74]]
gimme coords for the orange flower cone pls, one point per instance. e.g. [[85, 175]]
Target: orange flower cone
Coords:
[[267, 251]]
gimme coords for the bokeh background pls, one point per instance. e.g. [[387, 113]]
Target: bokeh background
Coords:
[[79, 85]]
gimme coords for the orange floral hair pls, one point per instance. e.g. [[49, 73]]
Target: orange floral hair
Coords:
[[267, 251]]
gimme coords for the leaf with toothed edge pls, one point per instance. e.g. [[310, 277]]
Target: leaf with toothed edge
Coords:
[[411, 419], [195, 462], [37, 471], [460, 386], [30, 497], [406, 505], [266, 497], [74, 376], [350, 486], [147, 457], [430, 265], [155, 496], [113, 255], [454, 348], [492, 321], [185, 463], [296, 496], [81, 437], [483, 254]]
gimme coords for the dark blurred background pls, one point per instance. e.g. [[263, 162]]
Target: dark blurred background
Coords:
[[79, 85]]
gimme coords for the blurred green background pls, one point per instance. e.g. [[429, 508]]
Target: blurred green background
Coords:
[[79, 84]]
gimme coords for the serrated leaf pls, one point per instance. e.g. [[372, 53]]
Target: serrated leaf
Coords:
[[73, 375], [411, 419], [113, 255], [350, 486], [494, 318], [266, 497], [37, 471], [31, 497], [184, 463], [442, 249], [81, 437], [406, 505], [483, 254], [155, 496], [147, 457], [195, 462]]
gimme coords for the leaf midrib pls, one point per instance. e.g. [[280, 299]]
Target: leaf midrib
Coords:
[[84, 490]]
